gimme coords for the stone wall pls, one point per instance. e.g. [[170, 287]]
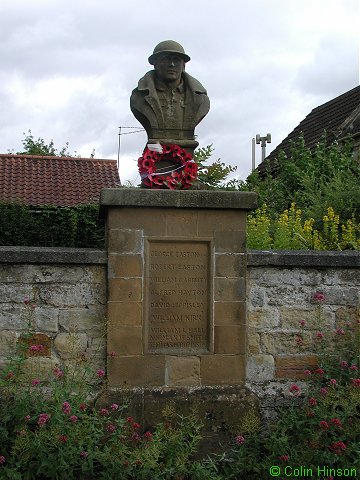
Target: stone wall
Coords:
[[65, 293], [281, 286], [68, 289]]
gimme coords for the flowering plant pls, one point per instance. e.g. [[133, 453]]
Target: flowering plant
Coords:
[[180, 170]]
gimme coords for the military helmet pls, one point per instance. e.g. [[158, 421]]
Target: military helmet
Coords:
[[168, 46]]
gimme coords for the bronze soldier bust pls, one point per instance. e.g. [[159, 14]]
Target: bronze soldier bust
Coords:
[[168, 102]]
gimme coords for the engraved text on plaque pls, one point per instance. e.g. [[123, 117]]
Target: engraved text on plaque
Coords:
[[177, 307]]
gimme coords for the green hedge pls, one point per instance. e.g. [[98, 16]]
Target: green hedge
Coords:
[[51, 226]]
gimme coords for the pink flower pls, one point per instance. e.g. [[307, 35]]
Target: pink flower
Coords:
[[100, 373], [340, 331], [284, 458], [318, 297], [129, 419], [2, 459], [344, 363], [148, 436], [73, 418], [35, 382], [83, 454], [114, 406], [82, 407], [338, 447], [355, 382], [302, 323], [136, 425], [295, 389], [10, 375], [43, 418], [323, 391], [112, 354], [63, 438], [336, 422], [319, 336], [26, 300], [135, 437], [312, 401], [333, 381], [353, 367], [104, 411], [319, 371], [240, 440], [324, 425], [307, 372], [111, 428], [58, 373], [27, 418], [36, 348], [66, 408]]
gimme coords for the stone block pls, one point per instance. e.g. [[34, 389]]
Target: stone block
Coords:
[[150, 220], [257, 296], [70, 345], [39, 340], [293, 366], [230, 242], [229, 339], [280, 342], [125, 265], [46, 319], [125, 241], [125, 340], [125, 289], [229, 313], [182, 371], [290, 318], [8, 341], [342, 296], [71, 295], [124, 313], [181, 223], [262, 318], [260, 368], [253, 341], [40, 368], [230, 265], [136, 371], [209, 221], [222, 369], [91, 321], [229, 289]]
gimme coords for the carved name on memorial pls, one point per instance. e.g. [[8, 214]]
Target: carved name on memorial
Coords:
[[178, 297]]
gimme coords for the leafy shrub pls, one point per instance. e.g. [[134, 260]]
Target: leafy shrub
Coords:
[[51, 226]]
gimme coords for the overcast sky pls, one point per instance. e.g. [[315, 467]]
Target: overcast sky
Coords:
[[67, 69]]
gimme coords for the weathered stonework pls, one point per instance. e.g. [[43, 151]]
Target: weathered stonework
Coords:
[[177, 260]]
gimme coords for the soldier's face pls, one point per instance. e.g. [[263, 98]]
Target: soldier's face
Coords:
[[169, 67]]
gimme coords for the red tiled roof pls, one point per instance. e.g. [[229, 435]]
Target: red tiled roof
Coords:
[[62, 181], [330, 116]]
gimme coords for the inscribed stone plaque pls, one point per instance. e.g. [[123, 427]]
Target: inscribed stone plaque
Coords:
[[178, 295]]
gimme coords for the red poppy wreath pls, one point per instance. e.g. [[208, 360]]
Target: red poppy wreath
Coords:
[[177, 169]]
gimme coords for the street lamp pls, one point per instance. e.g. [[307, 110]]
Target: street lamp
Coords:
[[263, 141]]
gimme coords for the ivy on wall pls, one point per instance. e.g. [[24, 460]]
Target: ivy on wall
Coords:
[[51, 226]]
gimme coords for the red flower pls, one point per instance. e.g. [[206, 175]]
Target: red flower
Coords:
[[340, 331], [355, 382], [307, 372], [319, 297], [284, 458], [336, 422], [148, 436], [73, 418], [338, 447], [43, 418], [240, 440], [324, 425], [82, 407], [104, 411], [319, 371], [83, 454], [312, 401], [353, 367], [111, 428], [100, 373], [63, 438], [332, 381], [295, 389], [35, 382], [136, 426], [66, 408], [129, 419], [323, 391], [344, 363], [2, 459], [302, 323], [319, 336]]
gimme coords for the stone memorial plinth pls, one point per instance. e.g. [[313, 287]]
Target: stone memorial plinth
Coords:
[[176, 296]]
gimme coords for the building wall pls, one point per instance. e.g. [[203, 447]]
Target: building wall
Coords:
[[67, 295]]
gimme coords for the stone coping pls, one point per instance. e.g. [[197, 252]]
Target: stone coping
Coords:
[[256, 258], [304, 258], [137, 197], [51, 255]]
